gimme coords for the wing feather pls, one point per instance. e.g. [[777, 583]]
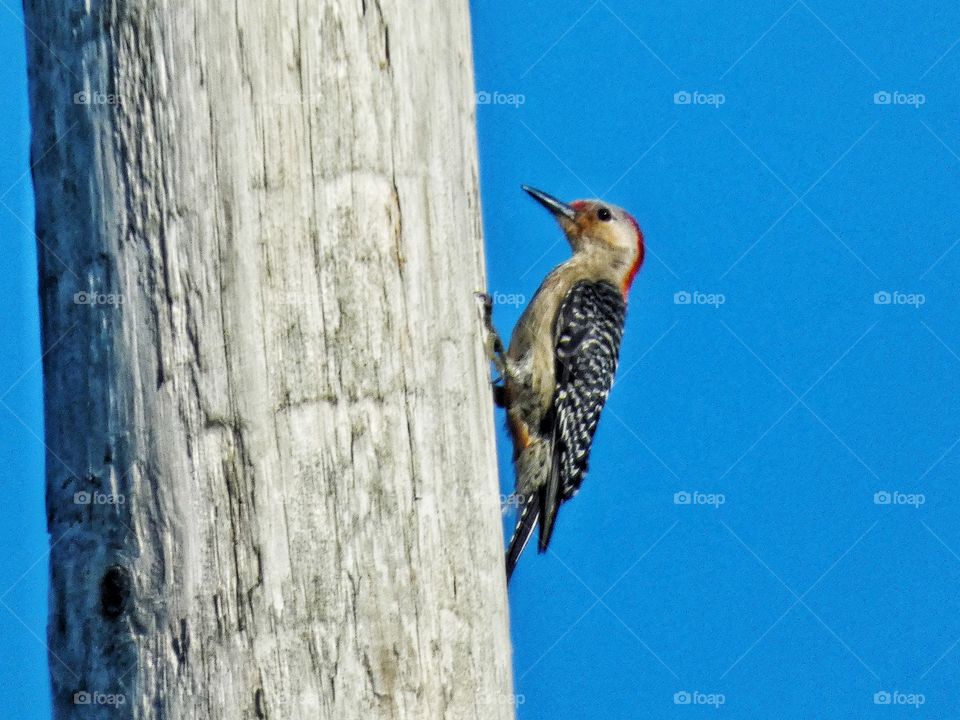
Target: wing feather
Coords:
[[588, 331]]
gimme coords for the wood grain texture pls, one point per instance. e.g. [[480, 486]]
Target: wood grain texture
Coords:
[[271, 474]]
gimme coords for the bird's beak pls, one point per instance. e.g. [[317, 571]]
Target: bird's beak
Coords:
[[551, 203]]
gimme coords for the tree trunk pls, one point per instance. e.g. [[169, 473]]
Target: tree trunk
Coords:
[[271, 479]]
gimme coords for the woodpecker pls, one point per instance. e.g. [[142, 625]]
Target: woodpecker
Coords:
[[555, 375]]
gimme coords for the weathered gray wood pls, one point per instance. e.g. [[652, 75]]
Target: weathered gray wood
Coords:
[[287, 393]]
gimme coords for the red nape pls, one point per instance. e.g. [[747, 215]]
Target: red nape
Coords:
[[635, 268]]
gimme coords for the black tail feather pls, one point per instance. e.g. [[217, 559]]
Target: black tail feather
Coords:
[[549, 502], [526, 522]]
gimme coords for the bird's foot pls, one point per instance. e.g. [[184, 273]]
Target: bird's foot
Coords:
[[492, 344]]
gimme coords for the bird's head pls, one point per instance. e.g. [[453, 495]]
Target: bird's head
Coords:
[[608, 232]]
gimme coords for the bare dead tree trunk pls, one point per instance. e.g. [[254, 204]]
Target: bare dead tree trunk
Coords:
[[271, 476]]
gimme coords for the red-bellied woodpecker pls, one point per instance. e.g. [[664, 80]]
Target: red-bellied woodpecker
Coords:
[[559, 367]]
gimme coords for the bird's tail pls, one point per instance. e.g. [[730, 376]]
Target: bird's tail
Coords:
[[527, 518]]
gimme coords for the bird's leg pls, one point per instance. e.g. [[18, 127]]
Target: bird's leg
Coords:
[[492, 345]]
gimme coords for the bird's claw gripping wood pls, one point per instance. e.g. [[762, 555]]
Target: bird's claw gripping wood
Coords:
[[492, 345]]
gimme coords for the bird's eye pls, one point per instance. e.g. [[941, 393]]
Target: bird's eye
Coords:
[[604, 214]]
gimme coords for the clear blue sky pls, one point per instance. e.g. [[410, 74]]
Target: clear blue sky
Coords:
[[779, 200], [23, 535]]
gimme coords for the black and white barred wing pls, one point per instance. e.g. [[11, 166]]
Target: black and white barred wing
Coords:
[[588, 333]]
